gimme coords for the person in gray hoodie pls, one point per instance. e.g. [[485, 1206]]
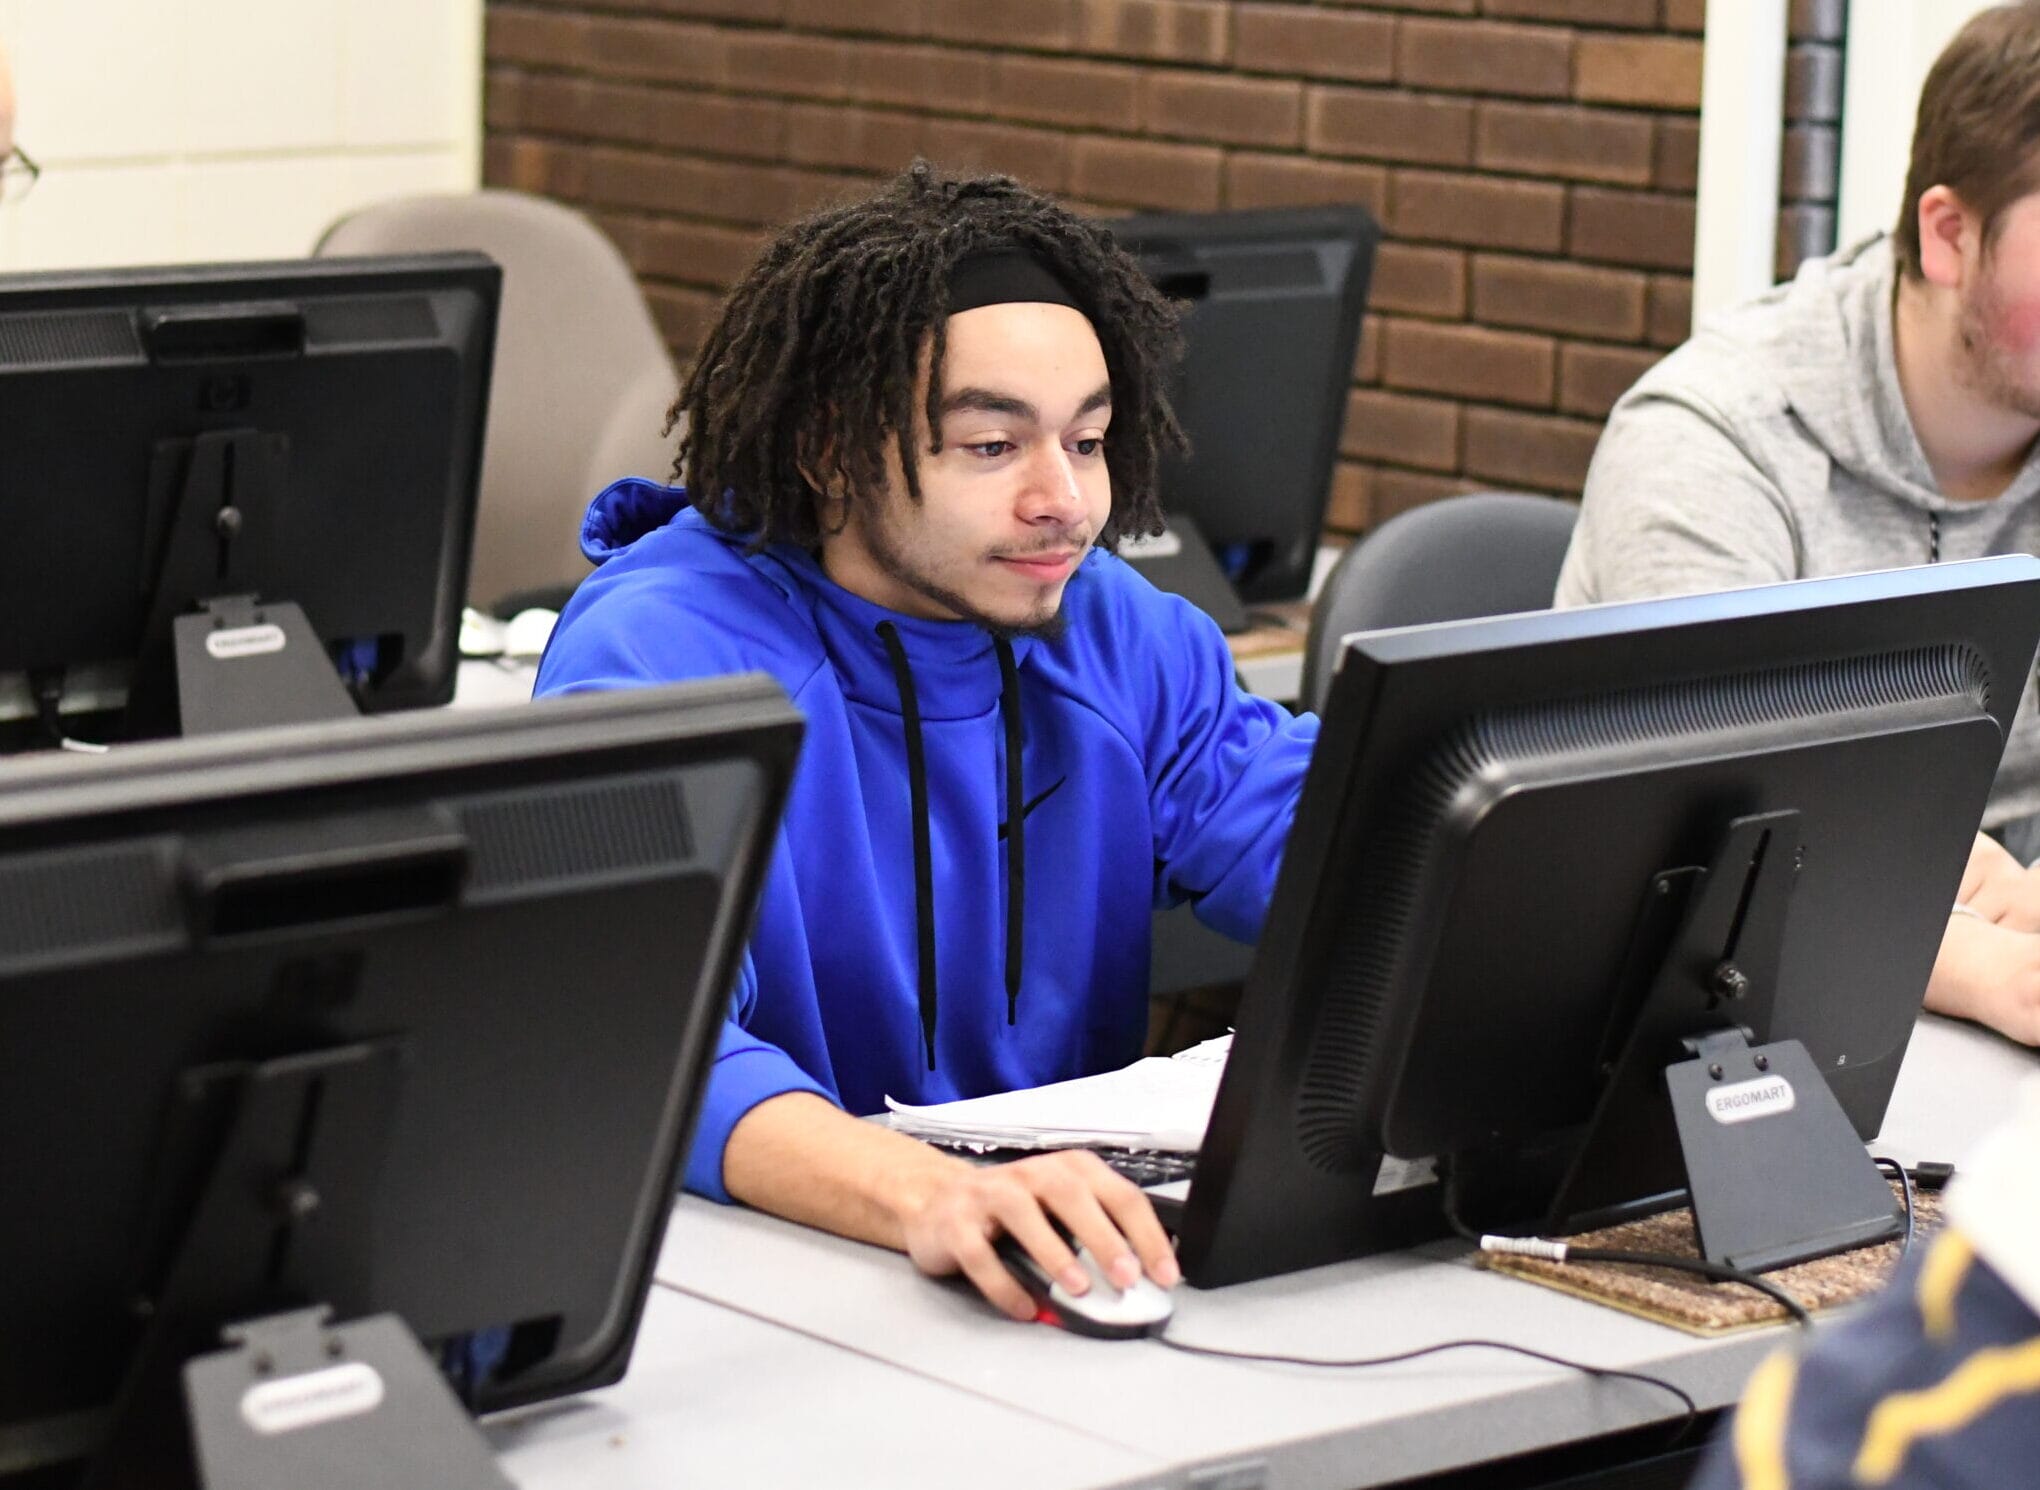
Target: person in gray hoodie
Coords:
[[1879, 411]]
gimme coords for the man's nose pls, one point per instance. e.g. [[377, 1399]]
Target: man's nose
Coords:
[[1052, 488]]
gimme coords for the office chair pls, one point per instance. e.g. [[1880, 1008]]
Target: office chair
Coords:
[[1478, 555], [1483, 554], [582, 376]]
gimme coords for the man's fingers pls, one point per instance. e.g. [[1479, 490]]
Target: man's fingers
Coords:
[[982, 1264], [1070, 1189], [1134, 1214], [1025, 1221]]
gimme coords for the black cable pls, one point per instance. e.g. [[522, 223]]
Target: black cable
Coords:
[[1564, 1252], [1905, 1180], [1718, 1271], [1691, 1409]]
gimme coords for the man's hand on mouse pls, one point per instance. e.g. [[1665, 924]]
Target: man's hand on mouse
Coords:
[[960, 1219]]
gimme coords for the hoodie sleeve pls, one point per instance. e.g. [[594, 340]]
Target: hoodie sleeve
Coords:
[[1676, 503], [747, 1071], [1224, 772]]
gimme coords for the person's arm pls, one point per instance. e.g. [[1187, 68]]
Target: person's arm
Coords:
[[1675, 504], [801, 1157], [1225, 769], [1991, 974], [1988, 968], [770, 1137], [1997, 887]]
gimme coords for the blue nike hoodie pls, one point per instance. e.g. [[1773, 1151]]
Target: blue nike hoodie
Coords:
[[913, 941]]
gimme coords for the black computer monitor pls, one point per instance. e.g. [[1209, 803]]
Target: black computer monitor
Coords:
[[405, 1015], [1537, 855], [307, 434], [1271, 324]]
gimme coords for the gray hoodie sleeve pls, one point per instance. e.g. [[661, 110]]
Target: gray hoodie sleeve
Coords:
[[1674, 505]]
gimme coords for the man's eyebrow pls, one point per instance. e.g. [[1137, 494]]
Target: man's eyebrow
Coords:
[[985, 401], [989, 401]]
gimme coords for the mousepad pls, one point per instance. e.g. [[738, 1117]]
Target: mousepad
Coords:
[[1688, 1302]]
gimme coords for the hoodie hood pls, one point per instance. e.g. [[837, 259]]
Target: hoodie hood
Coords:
[[1827, 336], [626, 511]]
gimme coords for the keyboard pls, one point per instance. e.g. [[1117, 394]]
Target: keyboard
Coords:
[[1147, 1167], [1144, 1167]]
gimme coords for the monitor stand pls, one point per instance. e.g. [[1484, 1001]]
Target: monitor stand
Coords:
[[240, 663], [269, 1173], [212, 657], [1776, 1171], [1178, 560]]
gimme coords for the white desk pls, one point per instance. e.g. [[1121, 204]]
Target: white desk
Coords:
[[799, 1358], [1957, 1081], [715, 1397], [482, 681]]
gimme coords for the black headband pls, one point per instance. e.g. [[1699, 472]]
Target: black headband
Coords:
[[1001, 276]]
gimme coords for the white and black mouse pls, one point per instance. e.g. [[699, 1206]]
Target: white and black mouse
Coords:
[[1101, 1311]]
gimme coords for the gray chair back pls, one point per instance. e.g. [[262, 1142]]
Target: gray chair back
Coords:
[[582, 376], [1484, 554]]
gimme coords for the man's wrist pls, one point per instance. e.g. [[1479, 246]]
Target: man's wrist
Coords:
[[907, 1185]]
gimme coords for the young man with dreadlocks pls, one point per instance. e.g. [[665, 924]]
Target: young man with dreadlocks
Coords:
[[911, 440]]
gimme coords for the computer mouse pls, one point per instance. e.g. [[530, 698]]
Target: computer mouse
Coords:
[[1102, 1311]]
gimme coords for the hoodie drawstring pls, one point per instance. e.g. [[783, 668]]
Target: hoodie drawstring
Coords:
[[924, 857], [1933, 537], [1016, 824]]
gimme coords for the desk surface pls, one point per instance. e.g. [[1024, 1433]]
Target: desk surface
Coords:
[[1105, 1409], [715, 1397]]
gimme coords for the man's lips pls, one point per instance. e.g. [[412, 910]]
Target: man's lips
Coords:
[[1042, 566]]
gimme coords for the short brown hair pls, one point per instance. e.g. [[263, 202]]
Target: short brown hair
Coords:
[[1978, 132]]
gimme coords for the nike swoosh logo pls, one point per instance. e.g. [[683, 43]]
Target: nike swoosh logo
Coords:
[[1028, 810]]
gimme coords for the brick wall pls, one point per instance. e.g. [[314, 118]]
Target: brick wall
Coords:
[[1532, 162]]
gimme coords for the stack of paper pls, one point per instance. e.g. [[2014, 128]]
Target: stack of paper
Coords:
[[1156, 1103]]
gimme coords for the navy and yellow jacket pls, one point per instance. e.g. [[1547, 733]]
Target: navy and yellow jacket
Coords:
[[1937, 1382], [978, 830]]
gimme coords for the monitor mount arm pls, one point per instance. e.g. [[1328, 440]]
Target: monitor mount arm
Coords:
[[1776, 1172], [213, 657]]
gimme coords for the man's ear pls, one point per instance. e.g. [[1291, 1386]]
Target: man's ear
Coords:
[[817, 466], [1951, 238]]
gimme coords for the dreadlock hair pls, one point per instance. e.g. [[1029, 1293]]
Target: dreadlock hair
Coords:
[[811, 366]]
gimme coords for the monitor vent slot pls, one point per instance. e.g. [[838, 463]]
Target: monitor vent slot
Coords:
[[72, 904], [1376, 947], [1370, 946], [1816, 690], [377, 321], [542, 838], [68, 336]]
